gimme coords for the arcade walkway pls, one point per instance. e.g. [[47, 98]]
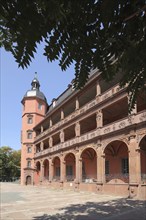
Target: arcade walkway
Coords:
[[41, 203]]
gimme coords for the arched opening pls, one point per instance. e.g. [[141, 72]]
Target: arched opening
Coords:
[[89, 165], [38, 167], [46, 169], [116, 162], [70, 167], [37, 173], [56, 170], [28, 180], [143, 158]]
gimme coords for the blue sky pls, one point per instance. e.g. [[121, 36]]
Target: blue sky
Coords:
[[14, 82]]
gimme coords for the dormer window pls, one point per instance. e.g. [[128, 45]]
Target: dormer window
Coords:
[[54, 102]]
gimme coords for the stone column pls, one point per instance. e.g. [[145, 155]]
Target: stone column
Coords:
[[42, 172], [100, 173], [80, 170], [134, 160], [50, 141], [42, 146], [77, 103], [77, 167], [98, 89], [103, 167], [62, 114], [77, 129], [50, 122], [51, 167], [62, 136], [99, 119], [62, 169], [42, 129]]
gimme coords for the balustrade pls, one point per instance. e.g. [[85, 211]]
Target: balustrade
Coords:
[[118, 125]]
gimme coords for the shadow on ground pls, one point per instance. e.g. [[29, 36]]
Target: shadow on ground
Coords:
[[101, 210]]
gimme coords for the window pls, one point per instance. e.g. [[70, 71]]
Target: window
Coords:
[[29, 134], [106, 167], [28, 163], [125, 165], [40, 106], [29, 150], [29, 120], [57, 171], [69, 170]]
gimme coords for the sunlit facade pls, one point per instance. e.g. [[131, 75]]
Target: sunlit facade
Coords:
[[85, 139]]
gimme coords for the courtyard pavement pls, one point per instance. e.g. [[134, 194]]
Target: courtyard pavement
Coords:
[[42, 203]]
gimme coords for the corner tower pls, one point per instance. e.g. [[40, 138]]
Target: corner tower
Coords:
[[34, 109]]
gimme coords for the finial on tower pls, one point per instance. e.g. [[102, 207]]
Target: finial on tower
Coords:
[[35, 83]]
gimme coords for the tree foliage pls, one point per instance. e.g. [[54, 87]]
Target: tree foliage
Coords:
[[9, 163], [108, 35]]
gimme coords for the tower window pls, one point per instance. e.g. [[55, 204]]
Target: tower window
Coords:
[[29, 134], [29, 120], [29, 150], [28, 163], [40, 106]]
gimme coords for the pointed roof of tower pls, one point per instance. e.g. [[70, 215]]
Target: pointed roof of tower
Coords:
[[35, 90]]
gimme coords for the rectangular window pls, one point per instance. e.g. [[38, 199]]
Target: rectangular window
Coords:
[[125, 165], [57, 171], [69, 170], [106, 167], [29, 150], [28, 163], [29, 120], [40, 106], [29, 135]]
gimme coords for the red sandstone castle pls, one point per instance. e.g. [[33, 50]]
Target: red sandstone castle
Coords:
[[85, 139]]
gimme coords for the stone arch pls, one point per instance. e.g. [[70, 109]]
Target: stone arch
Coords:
[[56, 168], [141, 136], [46, 168], [28, 180], [116, 162], [142, 146], [70, 165], [87, 147], [89, 164], [125, 141]]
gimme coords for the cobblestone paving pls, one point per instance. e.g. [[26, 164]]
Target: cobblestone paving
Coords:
[[41, 203]]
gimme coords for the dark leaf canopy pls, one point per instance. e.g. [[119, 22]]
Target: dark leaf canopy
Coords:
[[108, 35]]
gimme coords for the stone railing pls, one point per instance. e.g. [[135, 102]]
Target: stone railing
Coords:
[[82, 110], [116, 126]]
